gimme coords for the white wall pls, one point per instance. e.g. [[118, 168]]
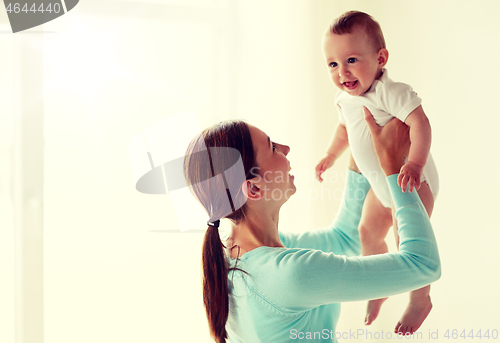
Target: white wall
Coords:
[[110, 277]]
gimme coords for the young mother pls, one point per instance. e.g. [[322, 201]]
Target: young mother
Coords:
[[264, 285]]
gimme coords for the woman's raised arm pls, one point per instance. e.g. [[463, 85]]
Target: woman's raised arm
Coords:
[[326, 278], [342, 236]]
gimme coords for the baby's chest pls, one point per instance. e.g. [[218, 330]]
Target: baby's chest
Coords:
[[354, 115]]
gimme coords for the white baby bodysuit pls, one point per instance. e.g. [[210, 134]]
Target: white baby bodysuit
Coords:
[[385, 99]]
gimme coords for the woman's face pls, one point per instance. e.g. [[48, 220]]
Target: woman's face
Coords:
[[274, 168]]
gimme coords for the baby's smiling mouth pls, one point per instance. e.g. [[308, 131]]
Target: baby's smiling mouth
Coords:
[[350, 84]]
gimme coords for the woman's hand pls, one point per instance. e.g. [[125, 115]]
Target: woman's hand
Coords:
[[391, 143]]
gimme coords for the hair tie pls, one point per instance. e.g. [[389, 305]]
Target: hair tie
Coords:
[[214, 224]]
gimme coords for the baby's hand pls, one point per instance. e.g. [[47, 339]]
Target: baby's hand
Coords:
[[325, 163], [410, 175]]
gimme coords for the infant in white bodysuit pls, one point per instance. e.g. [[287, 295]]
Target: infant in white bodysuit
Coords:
[[355, 54]]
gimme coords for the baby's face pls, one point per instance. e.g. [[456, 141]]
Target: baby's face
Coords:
[[352, 62]]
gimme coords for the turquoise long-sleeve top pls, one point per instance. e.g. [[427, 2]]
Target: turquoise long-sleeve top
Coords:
[[295, 292]]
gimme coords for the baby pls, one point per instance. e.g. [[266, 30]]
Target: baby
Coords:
[[355, 54]]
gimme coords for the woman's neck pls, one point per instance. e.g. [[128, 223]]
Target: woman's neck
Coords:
[[254, 232]]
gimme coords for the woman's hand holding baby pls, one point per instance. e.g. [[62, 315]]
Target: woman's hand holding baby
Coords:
[[391, 143]]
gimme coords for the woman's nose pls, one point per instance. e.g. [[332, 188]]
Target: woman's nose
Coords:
[[286, 149]]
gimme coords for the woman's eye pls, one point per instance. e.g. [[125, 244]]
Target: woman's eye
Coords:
[[332, 64], [274, 146], [351, 60]]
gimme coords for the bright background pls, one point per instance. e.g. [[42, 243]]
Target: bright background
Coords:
[[114, 269]]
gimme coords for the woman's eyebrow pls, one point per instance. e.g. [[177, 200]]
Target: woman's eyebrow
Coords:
[[268, 142]]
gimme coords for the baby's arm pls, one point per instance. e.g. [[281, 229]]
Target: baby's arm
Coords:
[[420, 137], [337, 146]]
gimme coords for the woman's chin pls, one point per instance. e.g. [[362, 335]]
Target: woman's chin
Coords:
[[291, 191]]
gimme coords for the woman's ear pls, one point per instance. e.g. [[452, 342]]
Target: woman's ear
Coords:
[[383, 56], [251, 190]]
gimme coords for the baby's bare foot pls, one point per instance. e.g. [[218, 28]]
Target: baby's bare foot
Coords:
[[372, 310], [414, 316]]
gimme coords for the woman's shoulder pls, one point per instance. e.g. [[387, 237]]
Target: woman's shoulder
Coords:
[[286, 237], [271, 259], [267, 261]]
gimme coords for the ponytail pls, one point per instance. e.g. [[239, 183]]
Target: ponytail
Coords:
[[200, 171], [215, 289]]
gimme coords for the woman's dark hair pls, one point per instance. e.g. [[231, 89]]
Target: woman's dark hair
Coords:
[[201, 163]]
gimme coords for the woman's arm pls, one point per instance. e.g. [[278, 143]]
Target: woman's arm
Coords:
[[322, 278], [314, 278], [391, 144], [341, 237]]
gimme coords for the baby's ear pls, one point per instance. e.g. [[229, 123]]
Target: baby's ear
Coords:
[[383, 56]]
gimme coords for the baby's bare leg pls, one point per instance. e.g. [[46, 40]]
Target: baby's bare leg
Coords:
[[373, 227], [420, 302]]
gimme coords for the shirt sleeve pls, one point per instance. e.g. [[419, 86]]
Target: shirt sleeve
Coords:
[[339, 109], [304, 279], [341, 237], [397, 99]]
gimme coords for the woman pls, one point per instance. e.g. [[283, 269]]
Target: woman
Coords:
[[268, 286]]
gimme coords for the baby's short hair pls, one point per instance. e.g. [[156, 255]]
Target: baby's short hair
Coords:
[[355, 19]]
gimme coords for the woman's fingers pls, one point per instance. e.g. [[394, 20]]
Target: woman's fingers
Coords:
[[391, 143], [372, 125]]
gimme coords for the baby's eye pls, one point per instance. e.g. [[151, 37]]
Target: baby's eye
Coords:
[[351, 60], [332, 64]]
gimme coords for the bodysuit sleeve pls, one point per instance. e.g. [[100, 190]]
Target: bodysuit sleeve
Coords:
[[339, 109], [341, 237], [397, 99]]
